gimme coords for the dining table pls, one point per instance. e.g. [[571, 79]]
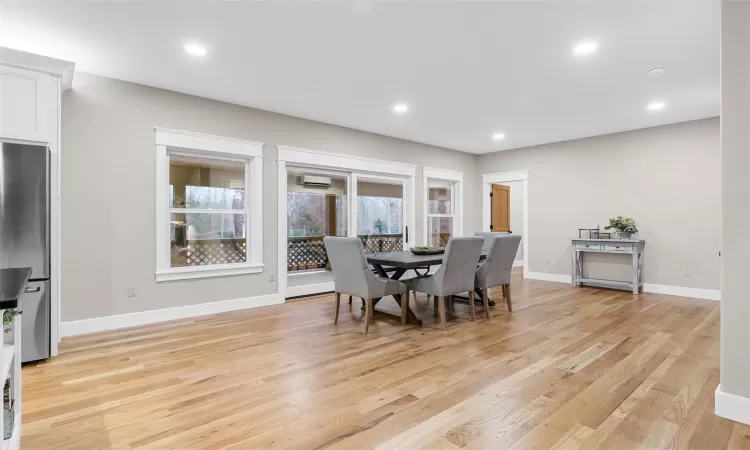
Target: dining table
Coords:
[[394, 265]]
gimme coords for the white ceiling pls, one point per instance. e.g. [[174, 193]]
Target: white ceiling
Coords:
[[467, 69]]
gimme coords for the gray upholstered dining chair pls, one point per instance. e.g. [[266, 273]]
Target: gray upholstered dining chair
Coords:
[[455, 275], [496, 268], [352, 275], [488, 238]]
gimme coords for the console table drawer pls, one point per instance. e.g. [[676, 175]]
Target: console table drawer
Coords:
[[588, 246], [625, 248]]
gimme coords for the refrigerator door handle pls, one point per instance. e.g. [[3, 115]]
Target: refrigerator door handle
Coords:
[[30, 290]]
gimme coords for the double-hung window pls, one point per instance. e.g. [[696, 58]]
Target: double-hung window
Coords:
[[442, 206], [208, 206]]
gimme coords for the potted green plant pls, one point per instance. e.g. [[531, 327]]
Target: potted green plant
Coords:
[[9, 316], [625, 226]]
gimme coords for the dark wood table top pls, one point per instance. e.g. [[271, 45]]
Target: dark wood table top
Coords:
[[12, 284], [407, 260]]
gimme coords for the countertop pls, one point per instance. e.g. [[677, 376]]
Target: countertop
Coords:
[[12, 284]]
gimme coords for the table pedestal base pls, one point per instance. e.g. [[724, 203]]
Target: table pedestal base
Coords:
[[477, 298], [411, 318]]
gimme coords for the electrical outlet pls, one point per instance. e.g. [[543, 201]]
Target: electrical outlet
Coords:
[[688, 272], [131, 291], [271, 276]]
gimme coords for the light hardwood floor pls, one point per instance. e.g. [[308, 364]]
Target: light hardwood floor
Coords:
[[569, 368]]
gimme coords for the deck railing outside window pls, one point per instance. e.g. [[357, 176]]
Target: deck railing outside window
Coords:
[[303, 253], [201, 252], [309, 253]]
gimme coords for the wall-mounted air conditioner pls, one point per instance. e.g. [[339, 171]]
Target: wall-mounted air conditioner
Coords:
[[316, 181]]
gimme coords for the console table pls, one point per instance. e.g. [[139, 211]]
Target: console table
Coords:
[[631, 248]]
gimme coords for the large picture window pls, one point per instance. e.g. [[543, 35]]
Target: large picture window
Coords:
[[329, 194], [208, 205], [317, 205], [208, 218]]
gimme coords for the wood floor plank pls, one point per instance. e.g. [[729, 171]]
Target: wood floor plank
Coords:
[[568, 368]]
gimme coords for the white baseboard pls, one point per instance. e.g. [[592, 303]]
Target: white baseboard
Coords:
[[706, 294], [85, 326], [557, 278], [680, 291], [308, 289], [733, 407], [518, 263]]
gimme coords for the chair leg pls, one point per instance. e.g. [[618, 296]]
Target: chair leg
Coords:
[[338, 305], [434, 305], [486, 299], [471, 306], [404, 306], [350, 299], [368, 314], [441, 309], [507, 297]]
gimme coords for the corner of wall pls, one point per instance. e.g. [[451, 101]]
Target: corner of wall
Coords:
[[732, 407]]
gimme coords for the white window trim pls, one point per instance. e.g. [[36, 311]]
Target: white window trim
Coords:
[[214, 147], [450, 176], [325, 160]]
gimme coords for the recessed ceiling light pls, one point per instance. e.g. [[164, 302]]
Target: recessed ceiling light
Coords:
[[656, 106], [657, 72], [498, 136], [195, 49], [401, 108], [585, 48]]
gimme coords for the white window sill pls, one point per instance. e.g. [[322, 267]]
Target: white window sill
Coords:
[[302, 273], [219, 270]]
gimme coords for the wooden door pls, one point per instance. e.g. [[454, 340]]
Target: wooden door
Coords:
[[500, 202]]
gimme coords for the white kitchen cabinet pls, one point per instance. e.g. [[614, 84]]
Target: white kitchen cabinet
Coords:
[[29, 105]]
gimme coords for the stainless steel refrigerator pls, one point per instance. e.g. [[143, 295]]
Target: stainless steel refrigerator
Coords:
[[25, 237]]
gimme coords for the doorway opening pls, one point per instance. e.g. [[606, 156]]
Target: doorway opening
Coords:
[[505, 208]]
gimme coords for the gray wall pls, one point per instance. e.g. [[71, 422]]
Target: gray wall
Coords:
[[735, 198], [108, 189], [666, 178]]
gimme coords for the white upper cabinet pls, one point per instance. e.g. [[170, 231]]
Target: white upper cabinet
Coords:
[[28, 104], [30, 89]]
